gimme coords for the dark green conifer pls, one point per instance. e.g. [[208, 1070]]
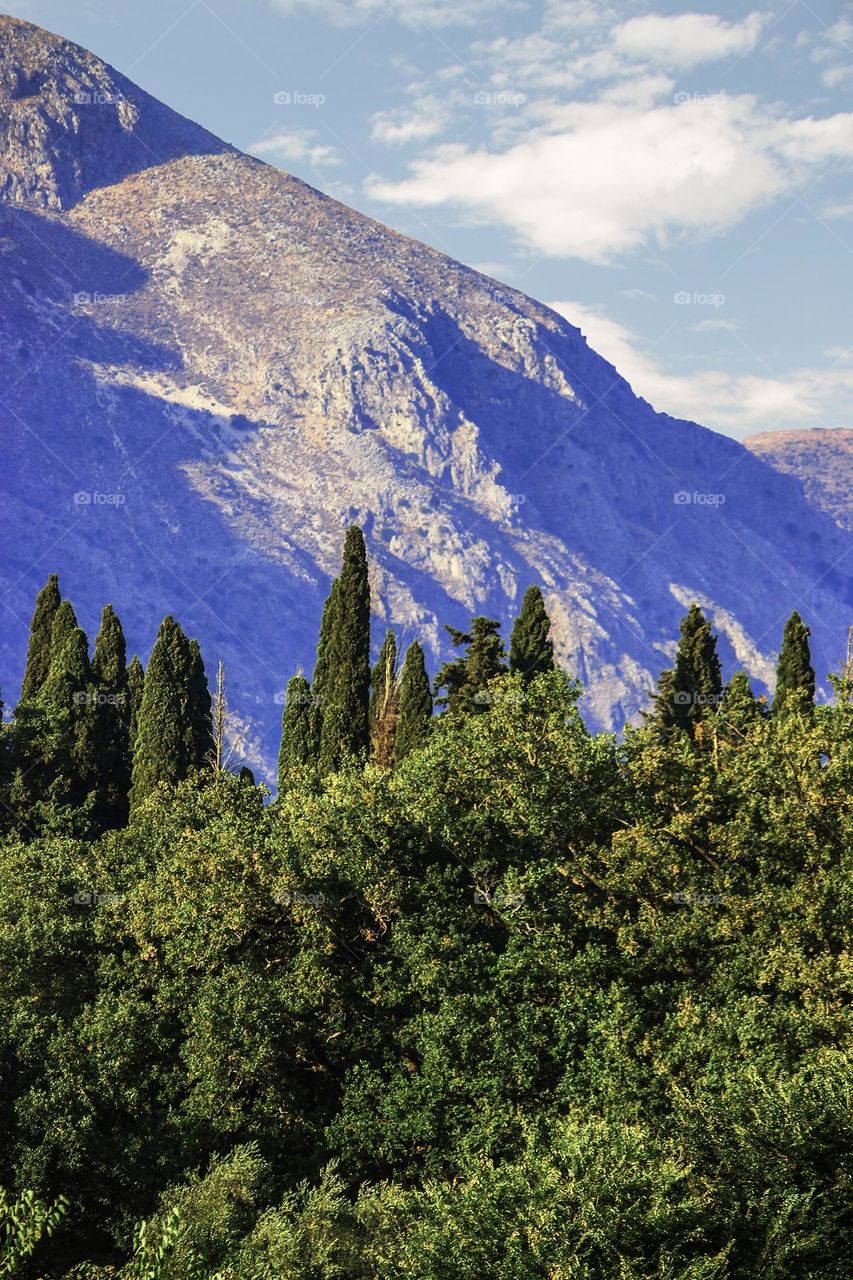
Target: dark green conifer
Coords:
[[135, 688], [693, 690], [384, 703], [200, 710], [300, 731], [344, 663], [415, 715], [64, 767], [530, 649], [795, 678], [465, 678], [166, 740], [64, 624], [38, 651], [109, 673], [740, 709]]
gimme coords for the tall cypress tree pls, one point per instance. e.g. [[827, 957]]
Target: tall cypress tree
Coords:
[[109, 673], [795, 679], [465, 678], [324, 666], [64, 625], [693, 690], [135, 689], [65, 766], [166, 740], [740, 707], [384, 702], [300, 730], [415, 717], [530, 649], [200, 710], [344, 674], [38, 650]]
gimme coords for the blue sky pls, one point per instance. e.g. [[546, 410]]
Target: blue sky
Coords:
[[676, 181]]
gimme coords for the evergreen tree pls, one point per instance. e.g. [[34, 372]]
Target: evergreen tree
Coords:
[[114, 762], [62, 775], [167, 743], [795, 678], [692, 691], [530, 649], [38, 650], [344, 660], [200, 710], [384, 703], [415, 715], [300, 730], [64, 625], [466, 677], [135, 688]]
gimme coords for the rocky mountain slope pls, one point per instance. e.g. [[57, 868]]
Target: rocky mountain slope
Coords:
[[208, 368], [820, 458]]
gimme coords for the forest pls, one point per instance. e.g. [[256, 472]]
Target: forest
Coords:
[[475, 994]]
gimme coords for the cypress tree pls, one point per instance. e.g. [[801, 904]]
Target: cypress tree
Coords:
[[530, 649], [64, 625], [693, 689], [38, 649], [740, 707], [415, 716], [110, 676], [201, 719], [344, 658], [135, 688], [166, 742], [300, 730], [795, 679], [465, 678], [65, 768], [384, 703]]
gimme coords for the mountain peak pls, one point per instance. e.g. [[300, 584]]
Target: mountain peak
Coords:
[[70, 122]]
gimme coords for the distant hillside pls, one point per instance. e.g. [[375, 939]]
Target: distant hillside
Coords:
[[822, 458]]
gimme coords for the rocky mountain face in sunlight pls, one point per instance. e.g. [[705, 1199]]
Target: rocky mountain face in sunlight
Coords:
[[208, 369], [821, 458]]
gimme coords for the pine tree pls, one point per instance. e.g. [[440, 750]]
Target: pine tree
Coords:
[[415, 715], [692, 691], [384, 703], [109, 673], [343, 677], [300, 731], [167, 733], [135, 689], [200, 710], [530, 649], [795, 678], [466, 678], [38, 650]]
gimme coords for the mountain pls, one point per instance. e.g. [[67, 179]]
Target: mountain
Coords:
[[821, 458], [208, 369]]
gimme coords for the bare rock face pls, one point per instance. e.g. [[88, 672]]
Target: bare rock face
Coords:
[[209, 368], [70, 123], [821, 458]]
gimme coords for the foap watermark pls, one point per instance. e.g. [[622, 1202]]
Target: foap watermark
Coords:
[[684, 298], [680, 98], [500, 898], [300, 899], [500, 98], [688, 698], [95, 698], [89, 898], [306, 699], [297, 98], [683, 899], [95, 498], [684, 498], [95, 98], [85, 299], [496, 697]]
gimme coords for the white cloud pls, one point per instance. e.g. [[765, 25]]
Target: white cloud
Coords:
[[600, 179], [736, 403], [425, 119], [687, 39], [297, 146]]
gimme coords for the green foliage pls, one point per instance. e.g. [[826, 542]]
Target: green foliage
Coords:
[[692, 692], [415, 713], [300, 731], [38, 652], [110, 677], [795, 678], [531, 651], [384, 703], [135, 689], [466, 678]]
